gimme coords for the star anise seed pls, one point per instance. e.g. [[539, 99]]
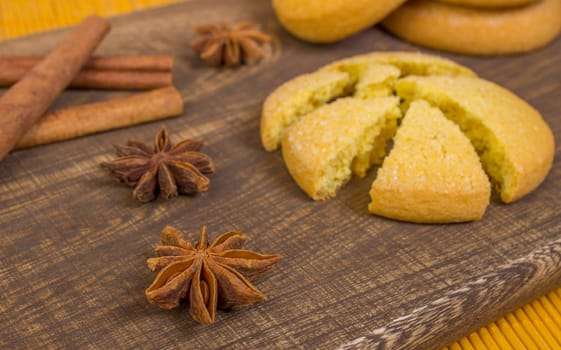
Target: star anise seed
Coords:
[[229, 46], [164, 168], [209, 276]]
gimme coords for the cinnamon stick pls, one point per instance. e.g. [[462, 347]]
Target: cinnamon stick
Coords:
[[97, 78], [24, 103], [86, 119], [145, 63]]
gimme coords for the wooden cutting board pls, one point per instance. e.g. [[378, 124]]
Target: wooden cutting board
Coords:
[[74, 242]]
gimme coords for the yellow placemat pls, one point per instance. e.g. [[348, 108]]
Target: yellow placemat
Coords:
[[536, 325], [23, 17]]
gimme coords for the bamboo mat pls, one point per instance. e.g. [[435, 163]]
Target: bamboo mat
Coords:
[[536, 325], [23, 17]]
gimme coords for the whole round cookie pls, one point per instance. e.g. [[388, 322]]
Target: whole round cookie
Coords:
[[490, 3], [323, 21], [337, 122], [476, 31]]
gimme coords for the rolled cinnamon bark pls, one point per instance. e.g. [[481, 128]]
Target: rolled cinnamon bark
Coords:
[[125, 80], [24, 103], [97, 79], [86, 119], [161, 63]]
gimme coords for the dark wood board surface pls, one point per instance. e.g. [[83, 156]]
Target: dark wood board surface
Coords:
[[74, 242]]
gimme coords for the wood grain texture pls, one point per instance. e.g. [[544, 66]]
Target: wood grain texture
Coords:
[[74, 242], [482, 300]]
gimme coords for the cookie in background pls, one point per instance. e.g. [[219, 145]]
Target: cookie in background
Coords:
[[490, 3], [477, 31], [321, 21]]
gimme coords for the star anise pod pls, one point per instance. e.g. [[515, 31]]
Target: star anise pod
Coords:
[[164, 168], [229, 46], [210, 276]]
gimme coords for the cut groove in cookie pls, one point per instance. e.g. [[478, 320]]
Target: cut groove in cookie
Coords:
[[515, 144], [376, 81], [346, 137], [408, 63], [432, 174], [297, 97]]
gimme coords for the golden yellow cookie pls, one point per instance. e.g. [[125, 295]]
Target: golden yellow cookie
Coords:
[[515, 144], [489, 3], [323, 148], [364, 76], [324, 21], [432, 174], [476, 31], [337, 121]]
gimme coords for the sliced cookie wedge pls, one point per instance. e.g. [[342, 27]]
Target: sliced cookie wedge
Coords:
[[297, 97], [325, 147], [515, 144], [432, 174]]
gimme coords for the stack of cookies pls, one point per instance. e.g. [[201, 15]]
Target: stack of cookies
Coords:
[[477, 27]]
